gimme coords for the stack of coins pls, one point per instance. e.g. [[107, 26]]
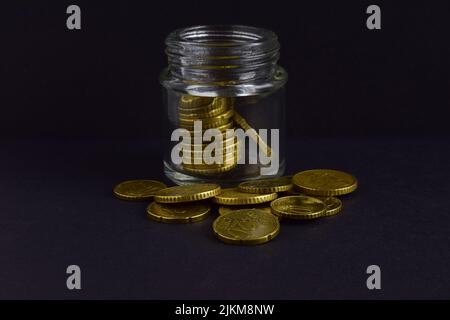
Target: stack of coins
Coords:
[[250, 212], [214, 113]]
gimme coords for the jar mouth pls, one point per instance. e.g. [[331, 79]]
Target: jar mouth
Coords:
[[222, 54], [222, 35]]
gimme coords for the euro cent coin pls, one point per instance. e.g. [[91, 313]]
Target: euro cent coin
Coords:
[[233, 196], [178, 212], [187, 193], [267, 185], [334, 205], [298, 207], [325, 182], [137, 190], [246, 227]]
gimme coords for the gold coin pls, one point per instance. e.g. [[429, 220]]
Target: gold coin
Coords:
[[207, 123], [200, 154], [211, 170], [226, 159], [246, 226], [213, 166], [200, 105], [227, 142], [238, 119], [210, 166], [192, 102], [201, 114], [221, 128], [178, 212], [298, 207], [267, 185], [228, 101], [137, 189], [228, 209], [199, 163], [226, 115], [206, 111], [325, 182], [202, 165], [199, 150], [187, 193], [334, 205], [233, 196]]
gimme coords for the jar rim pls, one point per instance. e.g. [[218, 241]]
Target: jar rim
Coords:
[[239, 35], [230, 59]]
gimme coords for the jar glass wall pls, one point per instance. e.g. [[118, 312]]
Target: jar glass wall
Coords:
[[224, 105]]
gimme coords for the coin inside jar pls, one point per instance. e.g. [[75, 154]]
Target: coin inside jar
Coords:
[[207, 122], [193, 102]]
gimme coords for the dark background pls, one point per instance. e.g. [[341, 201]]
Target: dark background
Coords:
[[81, 110], [344, 79]]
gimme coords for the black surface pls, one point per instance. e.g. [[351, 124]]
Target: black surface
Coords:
[[57, 209], [67, 97]]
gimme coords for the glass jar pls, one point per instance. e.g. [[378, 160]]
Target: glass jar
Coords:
[[224, 105]]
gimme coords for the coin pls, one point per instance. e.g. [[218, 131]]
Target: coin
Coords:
[[199, 163], [325, 182], [228, 101], [246, 226], [137, 189], [202, 153], [178, 212], [219, 123], [228, 209], [233, 196], [222, 128], [225, 159], [267, 185], [188, 101], [209, 170], [240, 120], [187, 193], [207, 123], [334, 205], [200, 114], [221, 141], [298, 207], [206, 111]]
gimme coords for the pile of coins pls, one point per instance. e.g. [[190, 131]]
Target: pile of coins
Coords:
[[214, 113], [251, 212]]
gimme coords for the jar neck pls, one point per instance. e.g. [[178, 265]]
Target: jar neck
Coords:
[[222, 55]]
